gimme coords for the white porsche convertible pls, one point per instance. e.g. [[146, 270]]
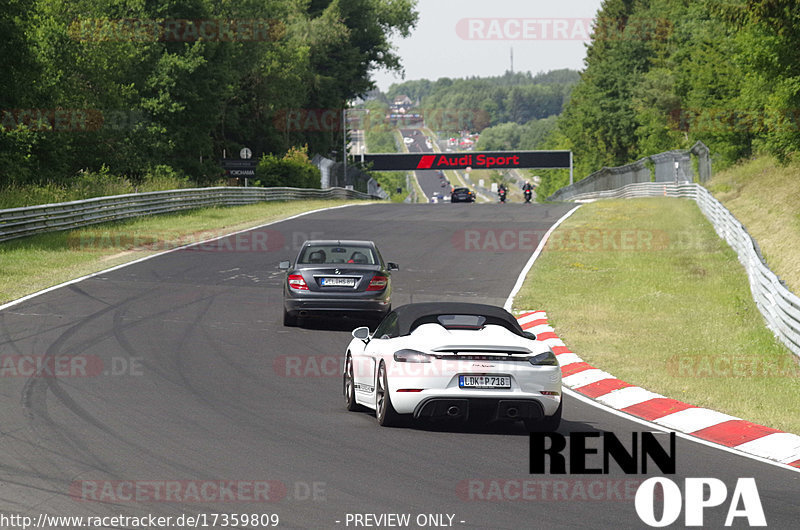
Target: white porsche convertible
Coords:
[[453, 361]]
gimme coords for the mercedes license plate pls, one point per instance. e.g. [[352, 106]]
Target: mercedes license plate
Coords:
[[338, 282]]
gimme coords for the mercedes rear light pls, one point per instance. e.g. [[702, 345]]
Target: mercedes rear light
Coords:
[[378, 283], [297, 282]]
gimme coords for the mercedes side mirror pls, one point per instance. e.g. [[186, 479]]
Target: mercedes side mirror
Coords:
[[284, 265], [393, 266]]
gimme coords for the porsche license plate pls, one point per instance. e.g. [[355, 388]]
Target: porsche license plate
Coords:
[[338, 282], [484, 381]]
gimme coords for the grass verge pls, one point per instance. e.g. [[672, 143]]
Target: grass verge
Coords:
[[88, 184], [645, 290], [33, 263], [765, 197]]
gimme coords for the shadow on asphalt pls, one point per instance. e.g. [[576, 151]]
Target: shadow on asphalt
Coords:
[[342, 323], [501, 428]]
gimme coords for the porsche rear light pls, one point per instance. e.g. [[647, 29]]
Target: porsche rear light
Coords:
[[547, 358], [378, 283], [412, 356], [297, 282]]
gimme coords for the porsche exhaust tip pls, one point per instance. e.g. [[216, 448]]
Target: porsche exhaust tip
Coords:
[[512, 412], [448, 408]]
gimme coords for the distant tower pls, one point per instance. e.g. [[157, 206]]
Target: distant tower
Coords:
[[512, 59]]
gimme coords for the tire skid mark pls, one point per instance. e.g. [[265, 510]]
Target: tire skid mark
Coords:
[[228, 359], [230, 410], [77, 289], [119, 328], [34, 403]]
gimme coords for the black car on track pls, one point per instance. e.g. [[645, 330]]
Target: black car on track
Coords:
[[332, 277], [462, 195]]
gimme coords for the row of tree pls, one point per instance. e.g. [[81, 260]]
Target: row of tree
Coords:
[[674, 72], [513, 136], [478, 102], [132, 85]]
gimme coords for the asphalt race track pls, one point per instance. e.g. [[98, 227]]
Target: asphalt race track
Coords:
[[428, 179], [188, 376]]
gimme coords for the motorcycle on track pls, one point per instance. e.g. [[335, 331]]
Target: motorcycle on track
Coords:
[[528, 191]]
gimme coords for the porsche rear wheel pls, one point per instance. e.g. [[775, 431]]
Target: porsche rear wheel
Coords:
[[546, 424], [387, 416]]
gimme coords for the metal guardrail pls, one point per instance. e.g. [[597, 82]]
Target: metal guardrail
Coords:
[[779, 306], [642, 189], [29, 220]]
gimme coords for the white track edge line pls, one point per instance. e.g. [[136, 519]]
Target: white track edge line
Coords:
[[534, 256], [163, 252], [507, 306]]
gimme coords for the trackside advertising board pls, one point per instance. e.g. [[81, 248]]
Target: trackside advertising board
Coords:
[[474, 160]]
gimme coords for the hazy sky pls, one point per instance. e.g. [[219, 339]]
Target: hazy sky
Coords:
[[461, 38]]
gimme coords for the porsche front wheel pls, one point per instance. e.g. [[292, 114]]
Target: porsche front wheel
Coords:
[[384, 410]]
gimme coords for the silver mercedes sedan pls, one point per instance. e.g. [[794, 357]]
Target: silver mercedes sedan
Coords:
[[333, 277]]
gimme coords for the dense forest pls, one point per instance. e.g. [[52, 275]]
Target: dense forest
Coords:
[[663, 74], [481, 102], [142, 88], [136, 87]]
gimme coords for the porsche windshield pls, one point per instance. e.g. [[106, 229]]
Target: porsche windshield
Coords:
[[461, 321]]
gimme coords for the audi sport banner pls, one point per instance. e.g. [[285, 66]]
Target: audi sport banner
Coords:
[[474, 160]]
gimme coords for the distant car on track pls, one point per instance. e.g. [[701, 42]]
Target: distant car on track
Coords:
[[331, 277], [453, 361], [462, 195]]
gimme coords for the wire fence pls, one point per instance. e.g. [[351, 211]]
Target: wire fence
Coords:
[[336, 174], [672, 166], [29, 220]]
